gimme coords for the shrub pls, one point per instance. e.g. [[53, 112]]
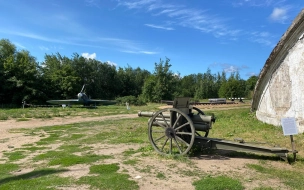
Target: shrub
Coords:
[[132, 100]]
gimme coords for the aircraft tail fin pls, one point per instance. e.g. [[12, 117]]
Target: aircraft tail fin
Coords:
[[82, 88]]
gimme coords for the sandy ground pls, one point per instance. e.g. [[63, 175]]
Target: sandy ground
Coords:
[[175, 180]]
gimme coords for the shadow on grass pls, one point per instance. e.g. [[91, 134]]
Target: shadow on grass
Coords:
[[227, 154], [31, 175]]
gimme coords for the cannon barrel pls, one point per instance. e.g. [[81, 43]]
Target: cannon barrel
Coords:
[[201, 122], [194, 118], [197, 126], [202, 118], [150, 114]]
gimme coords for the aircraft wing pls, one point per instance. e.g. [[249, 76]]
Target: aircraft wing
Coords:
[[102, 102], [67, 102], [76, 101]]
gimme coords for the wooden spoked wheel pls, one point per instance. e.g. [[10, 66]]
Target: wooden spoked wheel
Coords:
[[171, 132], [197, 111]]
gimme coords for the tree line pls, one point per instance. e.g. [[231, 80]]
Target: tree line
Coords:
[[23, 78]]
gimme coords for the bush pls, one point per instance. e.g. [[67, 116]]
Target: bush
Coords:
[[132, 100]]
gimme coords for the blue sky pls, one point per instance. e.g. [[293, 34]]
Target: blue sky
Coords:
[[195, 35]]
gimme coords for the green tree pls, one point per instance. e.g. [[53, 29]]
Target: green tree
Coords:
[[20, 75], [84, 69], [148, 92], [199, 87], [60, 76], [163, 85], [250, 85], [131, 81], [222, 82], [7, 51], [234, 87], [105, 81], [251, 82], [206, 86], [187, 86]]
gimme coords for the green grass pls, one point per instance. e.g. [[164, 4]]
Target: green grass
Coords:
[[129, 152], [4, 140], [5, 169], [291, 178], [3, 117], [193, 172], [108, 178], [118, 132], [240, 123], [160, 175], [146, 169], [50, 112], [14, 156], [71, 148], [44, 178], [34, 148], [131, 162], [218, 183], [23, 119], [67, 158]]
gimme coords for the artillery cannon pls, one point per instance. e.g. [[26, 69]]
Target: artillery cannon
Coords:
[[175, 130]]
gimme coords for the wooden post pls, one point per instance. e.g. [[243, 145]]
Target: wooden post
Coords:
[[293, 146]]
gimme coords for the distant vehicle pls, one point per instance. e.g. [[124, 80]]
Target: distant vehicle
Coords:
[[217, 100], [82, 99]]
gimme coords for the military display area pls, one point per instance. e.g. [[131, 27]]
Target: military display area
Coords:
[[148, 131], [175, 130], [65, 147]]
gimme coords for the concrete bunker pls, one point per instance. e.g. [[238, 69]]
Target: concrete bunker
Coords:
[[279, 91]]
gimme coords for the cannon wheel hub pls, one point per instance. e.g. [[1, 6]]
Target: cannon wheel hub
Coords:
[[170, 132]]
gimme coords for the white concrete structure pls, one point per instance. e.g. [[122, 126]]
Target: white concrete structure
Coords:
[[279, 91]]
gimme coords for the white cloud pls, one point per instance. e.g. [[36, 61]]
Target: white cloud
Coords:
[[46, 39], [111, 63], [264, 41], [43, 48], [231, 69], [92, 3], [264, 38], [182, 16], [126, 46], [254, 3], [250, 74], [89, 56], [159, 27], [279, 15], [136, 4], [148, 52], [19, 45]]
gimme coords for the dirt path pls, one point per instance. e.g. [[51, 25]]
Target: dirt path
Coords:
[[12, 124], [16, 140]]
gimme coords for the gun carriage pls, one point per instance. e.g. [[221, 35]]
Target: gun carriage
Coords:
[[176, 130]]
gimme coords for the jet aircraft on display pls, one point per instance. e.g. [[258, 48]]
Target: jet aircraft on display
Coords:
[[82, 99]]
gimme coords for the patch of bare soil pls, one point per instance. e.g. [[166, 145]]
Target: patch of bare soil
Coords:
[[16, 140], [149, 172]]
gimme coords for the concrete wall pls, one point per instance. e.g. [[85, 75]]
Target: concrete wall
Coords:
[[279, 91]]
